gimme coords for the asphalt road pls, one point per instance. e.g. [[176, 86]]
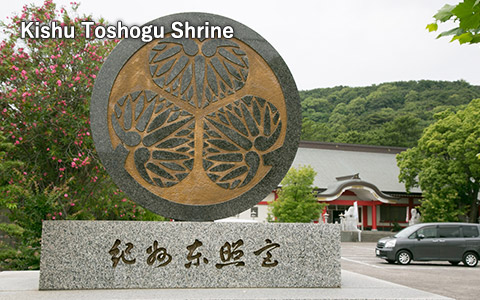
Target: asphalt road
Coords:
[[441, 278]]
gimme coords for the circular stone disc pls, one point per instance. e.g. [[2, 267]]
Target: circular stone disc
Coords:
[[196, 129]]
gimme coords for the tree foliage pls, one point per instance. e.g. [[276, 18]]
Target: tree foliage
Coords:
[[444, 165], [44, 112], [465, 15], [296, 201], [389, 114]]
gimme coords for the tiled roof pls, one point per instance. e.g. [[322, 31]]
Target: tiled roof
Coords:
[[375, 164]]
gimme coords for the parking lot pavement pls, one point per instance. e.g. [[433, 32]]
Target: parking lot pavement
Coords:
[[441, 278]]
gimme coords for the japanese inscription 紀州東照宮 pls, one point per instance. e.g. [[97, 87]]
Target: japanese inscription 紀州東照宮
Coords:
[[230, 254]]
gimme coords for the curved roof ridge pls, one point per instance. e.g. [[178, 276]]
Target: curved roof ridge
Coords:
[[336, 190]]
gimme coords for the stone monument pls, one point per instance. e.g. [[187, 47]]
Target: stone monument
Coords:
[[194, 129]]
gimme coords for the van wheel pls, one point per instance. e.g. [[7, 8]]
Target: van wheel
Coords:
[[404, 257], [470, 259], [454, 263]]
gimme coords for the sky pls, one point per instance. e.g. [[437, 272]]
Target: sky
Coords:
[[324, 43]]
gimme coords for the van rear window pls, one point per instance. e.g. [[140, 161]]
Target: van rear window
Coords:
[[449, 231], [470, 231]]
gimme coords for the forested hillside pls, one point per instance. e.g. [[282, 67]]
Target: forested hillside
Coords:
[[388, 114]]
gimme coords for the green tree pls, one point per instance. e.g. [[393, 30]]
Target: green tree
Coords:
[[7, 175], [15, 251], [444, 165], [312, 131], [296, 201], [389, 114], [465, 15], [44, 113], [404, 130]]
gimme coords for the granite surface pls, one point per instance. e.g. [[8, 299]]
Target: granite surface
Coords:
[[122, 254], [256, 151]]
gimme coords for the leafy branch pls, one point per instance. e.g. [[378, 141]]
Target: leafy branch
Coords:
[[466, 15]]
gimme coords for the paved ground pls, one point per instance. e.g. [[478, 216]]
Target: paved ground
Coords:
[[441, 278], [23, 285], [379, 281]]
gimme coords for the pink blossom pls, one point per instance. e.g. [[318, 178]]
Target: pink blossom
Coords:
[[72, 204], [59, 82], [65, 195]]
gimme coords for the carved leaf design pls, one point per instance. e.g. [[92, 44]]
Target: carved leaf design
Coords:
[[234, 136], [198, 73], [160, 134]]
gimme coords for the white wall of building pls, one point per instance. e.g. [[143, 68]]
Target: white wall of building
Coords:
[[247, 216]]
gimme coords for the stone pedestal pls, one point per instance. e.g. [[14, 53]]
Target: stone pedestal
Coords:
[[121, 254]]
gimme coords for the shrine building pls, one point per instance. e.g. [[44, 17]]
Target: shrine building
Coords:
[[348, 173]]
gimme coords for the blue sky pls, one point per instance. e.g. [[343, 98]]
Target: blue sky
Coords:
[[325, 43]]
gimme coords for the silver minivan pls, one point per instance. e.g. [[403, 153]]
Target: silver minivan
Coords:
[[453, 242]]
